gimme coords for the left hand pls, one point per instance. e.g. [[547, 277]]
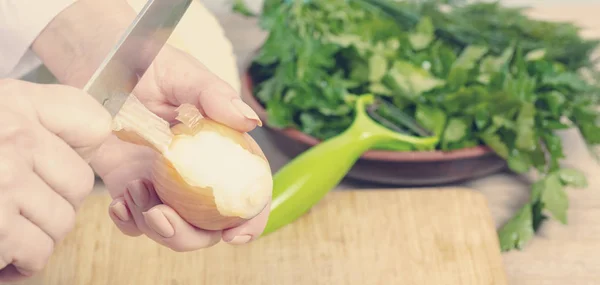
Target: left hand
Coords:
[[174, 78]]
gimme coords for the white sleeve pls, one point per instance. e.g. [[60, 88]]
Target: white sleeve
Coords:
[[21, 21]]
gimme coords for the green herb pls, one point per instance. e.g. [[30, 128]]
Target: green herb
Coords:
[[240, 7], [473, 74]]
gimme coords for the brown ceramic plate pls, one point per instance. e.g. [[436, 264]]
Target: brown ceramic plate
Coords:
[[391, 167]]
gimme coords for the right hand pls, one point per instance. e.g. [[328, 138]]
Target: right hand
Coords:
[[48, 134]]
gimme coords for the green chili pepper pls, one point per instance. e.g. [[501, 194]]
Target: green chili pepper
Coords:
[[305, 180]]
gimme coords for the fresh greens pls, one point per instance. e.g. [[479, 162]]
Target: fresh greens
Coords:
[[471, 74]]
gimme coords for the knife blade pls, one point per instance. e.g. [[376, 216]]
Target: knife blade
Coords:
[[114, 80], [119, 73]]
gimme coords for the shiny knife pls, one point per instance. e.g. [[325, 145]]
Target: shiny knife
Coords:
[[119, 73]]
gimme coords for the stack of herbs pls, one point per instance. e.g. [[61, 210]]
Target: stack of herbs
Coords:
[[473, 74]]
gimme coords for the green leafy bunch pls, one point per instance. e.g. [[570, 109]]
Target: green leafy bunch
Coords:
[[473, 74]]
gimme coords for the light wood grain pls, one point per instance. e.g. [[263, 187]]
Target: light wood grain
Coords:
[[376, 237]]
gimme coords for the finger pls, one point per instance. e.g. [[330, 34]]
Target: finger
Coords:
[[27, 249], [16, 131], [139, 199], [121, 216], [249, 230], [189, 81], [185, 237], [161, 223], [61, 168], [71, 114], [129, 164], [45, 208]]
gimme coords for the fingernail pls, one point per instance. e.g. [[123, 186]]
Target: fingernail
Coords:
[[241, 239], [246, 111], [159, 223], [119, 209], [139, 193]]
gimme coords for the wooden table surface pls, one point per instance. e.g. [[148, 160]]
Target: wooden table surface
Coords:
[[430, 236]]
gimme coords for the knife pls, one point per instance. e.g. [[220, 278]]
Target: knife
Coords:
[[118, 74]]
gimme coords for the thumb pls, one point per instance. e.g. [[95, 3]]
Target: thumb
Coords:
[[185, 80], [69, 113]]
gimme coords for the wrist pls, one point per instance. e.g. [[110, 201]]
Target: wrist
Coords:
[[76, 41]]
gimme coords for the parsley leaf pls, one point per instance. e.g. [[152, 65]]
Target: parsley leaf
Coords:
[[572, 177], [518, 231], [555, 198]]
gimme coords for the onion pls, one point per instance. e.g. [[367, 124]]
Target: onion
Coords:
[[211, 174]]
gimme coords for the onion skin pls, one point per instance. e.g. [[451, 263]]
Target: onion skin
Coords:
[[195, 204]]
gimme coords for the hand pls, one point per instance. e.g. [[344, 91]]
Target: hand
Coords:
[[48, 133], [72, 46], [173, 79]]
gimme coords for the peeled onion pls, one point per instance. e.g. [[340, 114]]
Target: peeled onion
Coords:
[[211, 174]]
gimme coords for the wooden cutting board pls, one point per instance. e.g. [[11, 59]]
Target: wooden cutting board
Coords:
[[425, 236]]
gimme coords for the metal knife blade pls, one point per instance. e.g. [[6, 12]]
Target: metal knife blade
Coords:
[[126, 63]]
